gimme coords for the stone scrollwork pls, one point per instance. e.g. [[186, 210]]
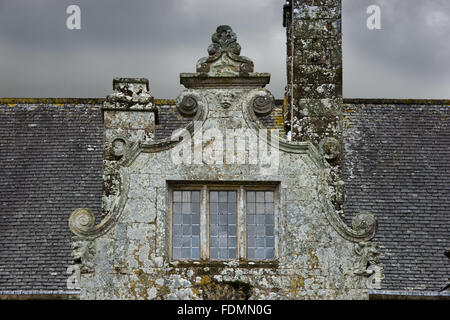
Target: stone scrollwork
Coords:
[[82, 221], [364, 222], [364, 225], [187, 104], [190, 103], [262, 102], [247, 67], [253, 122]]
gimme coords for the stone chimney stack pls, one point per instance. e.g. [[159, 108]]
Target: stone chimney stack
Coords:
[[314, 62], [314, 68], [129, 119], [129, 116]]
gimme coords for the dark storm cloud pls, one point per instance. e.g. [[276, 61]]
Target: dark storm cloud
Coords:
[[158, 39], [137, 38]]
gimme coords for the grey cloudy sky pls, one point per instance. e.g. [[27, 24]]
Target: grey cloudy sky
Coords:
[[158, 39]]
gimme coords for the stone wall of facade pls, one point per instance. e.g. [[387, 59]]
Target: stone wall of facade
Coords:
[[130, 254]]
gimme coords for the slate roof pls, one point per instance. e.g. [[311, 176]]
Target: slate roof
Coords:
[[397, 166], [50, 163]]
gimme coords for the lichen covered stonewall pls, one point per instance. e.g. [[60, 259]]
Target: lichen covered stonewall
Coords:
[[128, 255]]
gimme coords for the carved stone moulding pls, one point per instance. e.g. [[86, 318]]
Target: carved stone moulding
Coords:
[[197, 81], [119, 146], [82, 221], [364, 225], [263, 103], [189, 103], [365, 222]]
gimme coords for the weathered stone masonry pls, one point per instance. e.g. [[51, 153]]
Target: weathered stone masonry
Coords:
[[314, 55], [314, 91], [129, 254]]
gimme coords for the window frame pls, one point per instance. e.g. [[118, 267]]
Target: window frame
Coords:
[[241, 190]]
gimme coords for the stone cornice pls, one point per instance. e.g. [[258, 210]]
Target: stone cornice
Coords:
[[197, 80]]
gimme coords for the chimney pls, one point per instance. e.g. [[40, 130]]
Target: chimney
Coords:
[[129, 116], [314, 68], [314, 62]]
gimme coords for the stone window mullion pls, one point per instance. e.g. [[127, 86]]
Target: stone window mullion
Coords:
[[241, 224], [204, 224]]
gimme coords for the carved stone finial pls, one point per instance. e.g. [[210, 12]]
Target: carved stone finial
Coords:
[[130, 93], [224, 40], [224, 56], [224, 67]]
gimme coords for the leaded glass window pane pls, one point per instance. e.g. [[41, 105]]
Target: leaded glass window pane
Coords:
[[186, 225], [260, 225], [222, 225]]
